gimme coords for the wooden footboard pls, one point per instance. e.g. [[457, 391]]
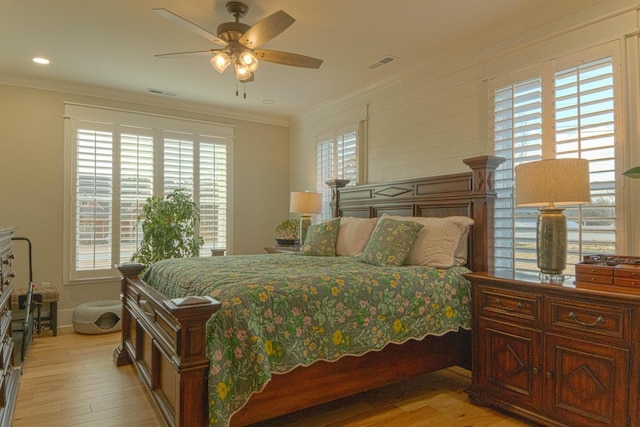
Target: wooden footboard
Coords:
[[167, 345]]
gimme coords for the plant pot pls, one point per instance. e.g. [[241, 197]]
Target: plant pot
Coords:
[[287, 242]]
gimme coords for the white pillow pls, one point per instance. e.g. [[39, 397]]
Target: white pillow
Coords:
[[442, 242], [353, 235]]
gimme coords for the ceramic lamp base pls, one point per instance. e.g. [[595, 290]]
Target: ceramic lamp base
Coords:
[[552, 243], [305, 223]]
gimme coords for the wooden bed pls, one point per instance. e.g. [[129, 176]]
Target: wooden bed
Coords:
[[166, 343]]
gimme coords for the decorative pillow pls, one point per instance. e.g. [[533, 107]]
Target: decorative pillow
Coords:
[[321, 239], [390, 242], [441, 243], [353, 235]]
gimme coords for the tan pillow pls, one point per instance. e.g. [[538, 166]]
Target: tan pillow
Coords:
[[441, 242], [353, 235]]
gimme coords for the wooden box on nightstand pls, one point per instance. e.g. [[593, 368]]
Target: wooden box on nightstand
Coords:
[[609, 271]]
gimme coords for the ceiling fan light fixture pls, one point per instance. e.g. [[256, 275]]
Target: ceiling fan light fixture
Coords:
[[221, 61], [249, 60]]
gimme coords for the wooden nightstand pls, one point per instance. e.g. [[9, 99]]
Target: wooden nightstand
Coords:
[[282, 249], [557, 355]]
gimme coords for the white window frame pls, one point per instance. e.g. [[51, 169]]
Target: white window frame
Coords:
[[79, 115], [333, 168], [546, 72]]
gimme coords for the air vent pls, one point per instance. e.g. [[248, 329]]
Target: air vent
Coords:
[[384, 61], [162, 92]]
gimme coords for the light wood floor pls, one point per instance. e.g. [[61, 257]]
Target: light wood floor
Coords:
[[70, 380]]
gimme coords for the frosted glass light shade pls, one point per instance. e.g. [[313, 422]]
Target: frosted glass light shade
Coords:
[[220, 62], [249, 60]]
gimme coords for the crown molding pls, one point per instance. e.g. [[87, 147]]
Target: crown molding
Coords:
[[143, 98]]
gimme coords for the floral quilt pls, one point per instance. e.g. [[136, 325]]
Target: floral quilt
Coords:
[[280, 311]]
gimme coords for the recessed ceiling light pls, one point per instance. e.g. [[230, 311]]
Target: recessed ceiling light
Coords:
[[43, 61], [268, 101]]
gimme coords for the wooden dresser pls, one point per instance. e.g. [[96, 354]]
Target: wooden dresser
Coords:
[[559, 355], [10, 376]]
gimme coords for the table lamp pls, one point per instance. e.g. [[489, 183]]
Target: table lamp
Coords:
[[305, 203], [548, 184]]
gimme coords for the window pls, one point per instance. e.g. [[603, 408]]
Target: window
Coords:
[[116, 165], [337, 158], [564, 109]]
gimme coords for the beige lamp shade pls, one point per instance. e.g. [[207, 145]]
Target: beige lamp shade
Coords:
[[305, 202], [553, 182]]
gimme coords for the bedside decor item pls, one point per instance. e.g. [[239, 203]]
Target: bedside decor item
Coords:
[[287, 233], [305, 203], [633, 172], [549, 183], [168, 228]]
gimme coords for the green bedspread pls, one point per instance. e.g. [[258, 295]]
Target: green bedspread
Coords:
[[283, 311]]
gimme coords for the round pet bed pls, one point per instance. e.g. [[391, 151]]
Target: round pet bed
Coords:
[[98, 317]]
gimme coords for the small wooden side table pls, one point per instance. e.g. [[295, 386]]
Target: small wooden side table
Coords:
[[42, 294]]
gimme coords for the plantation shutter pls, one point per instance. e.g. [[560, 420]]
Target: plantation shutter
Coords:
[[336, 158], [213, 194], [577, 121], [178, 162], [585, 127], [325, 171], [518, 139], [347, 167], [136, 185], [93, 196], [119, 159]]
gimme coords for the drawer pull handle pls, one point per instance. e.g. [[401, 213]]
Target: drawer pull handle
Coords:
[[504, 307], [573, 317]]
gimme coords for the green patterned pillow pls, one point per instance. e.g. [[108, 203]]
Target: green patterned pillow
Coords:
[[321, 239], [390, 242]]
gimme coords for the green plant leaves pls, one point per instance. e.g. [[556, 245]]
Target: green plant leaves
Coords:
[[169, 228]]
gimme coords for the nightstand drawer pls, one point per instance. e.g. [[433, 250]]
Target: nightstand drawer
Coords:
[[601, 322], [509, 305]]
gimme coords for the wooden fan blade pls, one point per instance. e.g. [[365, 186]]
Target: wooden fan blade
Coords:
[[266, 29], [190, 26], [209, 52], [286, 58]]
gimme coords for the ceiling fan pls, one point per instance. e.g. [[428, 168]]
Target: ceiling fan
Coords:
[[240, 41]]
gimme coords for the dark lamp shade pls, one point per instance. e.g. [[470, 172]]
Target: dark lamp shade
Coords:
[[553, 182]]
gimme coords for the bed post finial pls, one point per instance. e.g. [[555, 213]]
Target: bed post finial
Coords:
[[335, 184], [483, 197]]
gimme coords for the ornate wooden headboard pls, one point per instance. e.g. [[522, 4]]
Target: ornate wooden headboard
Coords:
[[468, 194]]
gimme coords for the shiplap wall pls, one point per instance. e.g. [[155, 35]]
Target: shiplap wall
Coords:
[[426, 122]]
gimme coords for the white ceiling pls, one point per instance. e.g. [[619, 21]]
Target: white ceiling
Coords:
[[111, 44]]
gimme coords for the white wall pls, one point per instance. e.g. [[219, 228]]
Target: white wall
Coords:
[[32, 171], [426, 122]]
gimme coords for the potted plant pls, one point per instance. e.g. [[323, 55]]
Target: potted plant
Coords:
[[168, 228], [287, 233]]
